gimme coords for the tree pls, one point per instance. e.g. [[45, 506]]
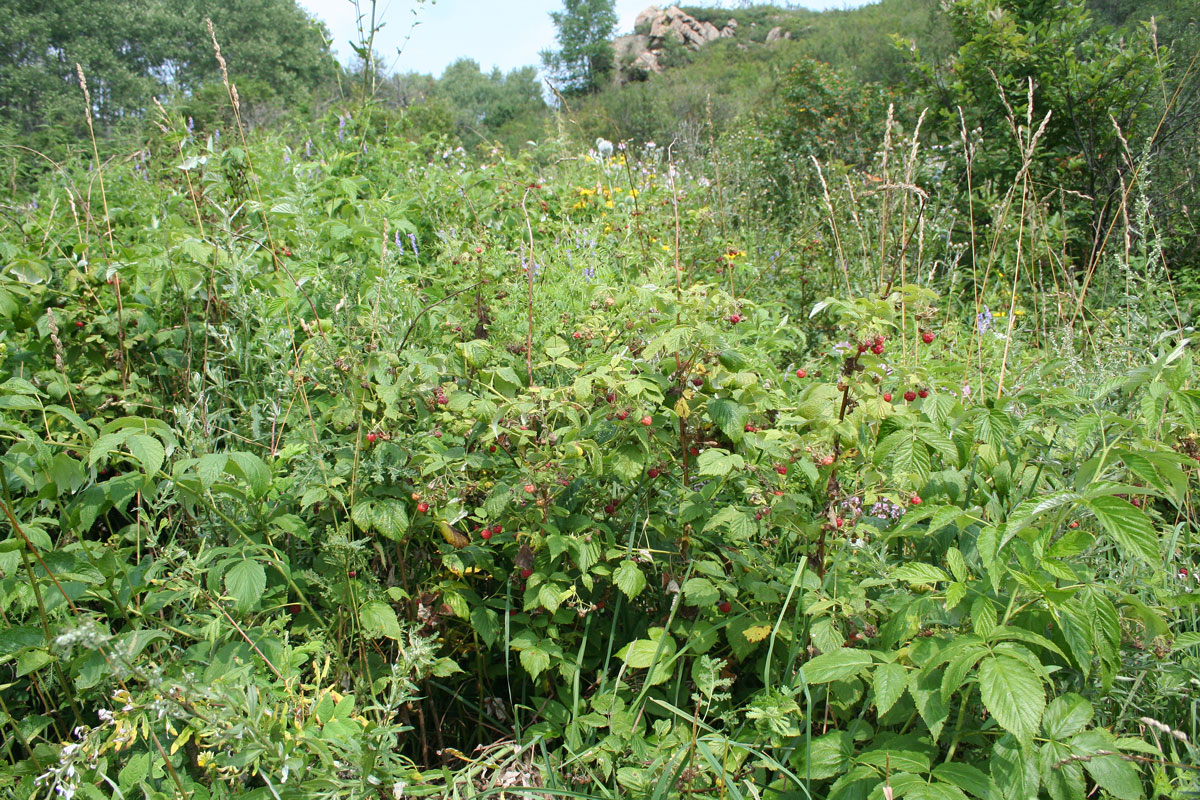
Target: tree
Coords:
[[585, 60], [134, 50], [493, 107]]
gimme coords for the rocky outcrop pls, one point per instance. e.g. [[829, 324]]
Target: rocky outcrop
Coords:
[[776, 34], [656, 28]]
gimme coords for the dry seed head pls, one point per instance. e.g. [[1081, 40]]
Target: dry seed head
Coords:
[[87, 96], [52, 325]]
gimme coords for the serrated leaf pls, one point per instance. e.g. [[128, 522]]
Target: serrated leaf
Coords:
[[211, 467], [916, 572], [757, 633], [1129, 526], [716, 461], [362, 514], [730, 417], [535, 661], [379, 619], [700, 592], [254, 470], [1013, 694], [1066, 716], [629, 579], [889, 682], [844, 663], [390, 518], [739, 524], [245, 582]]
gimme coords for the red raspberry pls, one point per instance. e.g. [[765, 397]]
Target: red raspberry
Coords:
[[735, 318], [909, 396], [801, 373], [530, 488], [496, 528], [725, 607], [647, 420], [927, 337], [781, 469], [622, 414], [916, 500], [923, 394], [422, 506], [525, 573], [371, 437], [486, 534], [887, 397], [877, 349]]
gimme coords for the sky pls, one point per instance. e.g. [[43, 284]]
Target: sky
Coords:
[[495, 33]]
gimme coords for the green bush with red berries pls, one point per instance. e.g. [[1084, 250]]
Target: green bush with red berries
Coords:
[[340, 473]]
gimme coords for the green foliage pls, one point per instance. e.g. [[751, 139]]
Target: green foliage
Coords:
[[133, 52], [584, 61], [355, 464], [493, 108]]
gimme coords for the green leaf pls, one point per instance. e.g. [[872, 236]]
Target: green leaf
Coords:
[[549, 596], [966, 777], [730, 417], [1129, 526], [716, 461], [629, 579], [362, 514], [1013, 694], [535, 660], [658, 649], [254, 470], [890, 680], [1066, 716], [245, 582], [390, 517], [844, 663], [148, 451], [700, 592], [916, 572], [739, 524], [1111, 773], [379, 619], [211, 467]]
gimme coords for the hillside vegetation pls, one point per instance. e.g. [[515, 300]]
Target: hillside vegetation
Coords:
[[829, 430]]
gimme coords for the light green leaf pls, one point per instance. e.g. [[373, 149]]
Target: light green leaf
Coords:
[[148, 451], [916, 572], [716, 461], [1013, 694], [629, 579], [1129, 526], [379, 619], [700, 592], [245, 582], [837, 665], [890, 680]]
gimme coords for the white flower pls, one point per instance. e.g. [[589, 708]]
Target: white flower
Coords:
[[604, 147]]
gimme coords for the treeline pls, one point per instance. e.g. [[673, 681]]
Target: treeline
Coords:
[[1114, 82]]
